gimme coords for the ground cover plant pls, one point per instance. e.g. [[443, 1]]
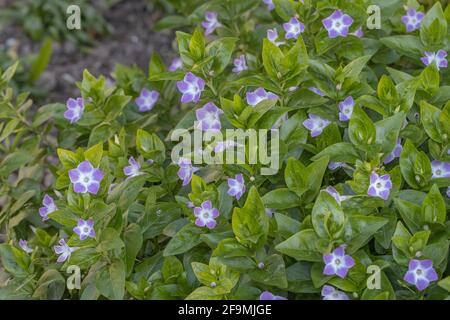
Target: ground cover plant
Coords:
[[93, 205]]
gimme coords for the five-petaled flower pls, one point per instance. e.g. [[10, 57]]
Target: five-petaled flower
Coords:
[[266, 295], [236, 186], [205, 215], [133, 169], [240, 64], [272, 35], [48, 207], [420, 273], [412, 19], [85, 229], [293, 28], [86, 178], [440, 169], [346, 108], [176, 64], [438, 58], [337, 262], [63, 250], [147, 100], [337, 24], [211, 22], [191, 87], [316, 124], [380, 186], [331, 293], [23, 244], [269, 4], [186, 170], [255, 97], [208, 117], [75, 109], [395, 153]]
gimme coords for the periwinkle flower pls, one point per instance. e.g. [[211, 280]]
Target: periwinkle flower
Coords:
[[335, 194], [255, 97], [206, 215], [261, 265], [48, 207], [208, 117], [240, 64], [337, 24], [335, 165], [147, 100], [75, 109], [211, 22], [190, 205], [186, 170], [316, 124], [412, 19], [23, 244], [438, 58], [272, 35], [236, 186], [394, 153], [337, 263], [133, 169], [380, 186], [359, 33], [85, 229], [63, 250], [293, 28], [420, 273], [330, 293], [269, 212], [346, 108], [266, 295], [316, 91], [176, 64], [269, 4], [191, 87], [86, 178], [440, 169]]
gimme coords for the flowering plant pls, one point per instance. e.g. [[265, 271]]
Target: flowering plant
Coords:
[[357, 210]]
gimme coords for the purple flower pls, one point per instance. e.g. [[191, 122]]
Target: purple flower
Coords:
[[147, 100], [335, 165], [191, 87], [85, 228], [86, 178], [190, 205], [176, 64], [255, 97], [337, 24], [236, 186], [316, 91], [23, 244], [49, 207], [75, 109], [412, 19], [440, 169], [272, 35], [337, 263], [293, 28], [380, 186], [330, 293], [206, 215], [269, 212], [63, 250], [315, 124], [335, 194], [208, 117], [211, 22], [186, 170], [266, 295], [269, 4], [240, 64], [420, 273], [133, 169], [358, 33], [346, 108], [438, 58], [395, 153]]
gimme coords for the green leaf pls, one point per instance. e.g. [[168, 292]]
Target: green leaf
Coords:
[[361, 130], [433, 207], [41, 61], [301, 246], [327, 217], [281, 198], [184, 240], [429, 116], [295, 176], [133, 242], [433, 28]]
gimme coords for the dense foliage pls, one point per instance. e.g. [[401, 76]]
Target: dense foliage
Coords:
[[363, 184]]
